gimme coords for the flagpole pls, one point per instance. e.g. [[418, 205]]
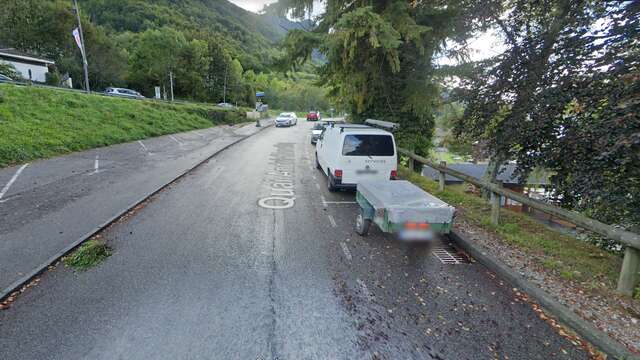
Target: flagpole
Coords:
[[84, 53]]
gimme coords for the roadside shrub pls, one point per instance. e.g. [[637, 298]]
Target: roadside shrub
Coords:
[[88, 255]]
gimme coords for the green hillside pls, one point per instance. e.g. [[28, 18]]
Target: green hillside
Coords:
[[58, 121], [214, 50], [251, 37]]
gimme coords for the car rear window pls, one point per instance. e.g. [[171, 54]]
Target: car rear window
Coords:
[[368, 145]]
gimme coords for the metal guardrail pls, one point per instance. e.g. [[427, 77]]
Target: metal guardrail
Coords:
[[630, 272], [101, 93]]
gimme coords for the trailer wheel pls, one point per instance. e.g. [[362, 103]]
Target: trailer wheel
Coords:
[[362, 224]]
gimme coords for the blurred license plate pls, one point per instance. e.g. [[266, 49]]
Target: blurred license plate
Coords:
[[366, 171], [416, 235]]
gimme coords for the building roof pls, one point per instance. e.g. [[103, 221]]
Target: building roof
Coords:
[[507, 174], [17, 55]]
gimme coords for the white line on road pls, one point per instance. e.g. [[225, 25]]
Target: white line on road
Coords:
[[96, 164], [346, 251], [318, 186], [324, 201], [13, 179], [365, 289], [332, 221], [143, 146], [176, 140]]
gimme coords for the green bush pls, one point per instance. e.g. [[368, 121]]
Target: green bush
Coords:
[[88, 255]]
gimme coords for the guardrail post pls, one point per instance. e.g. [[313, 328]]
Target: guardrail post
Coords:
[[411, 164], [630, 272], [441, 176], [495, 208]]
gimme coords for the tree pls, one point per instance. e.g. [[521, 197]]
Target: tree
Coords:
[[156, 54], [380, 56], [564, 96]]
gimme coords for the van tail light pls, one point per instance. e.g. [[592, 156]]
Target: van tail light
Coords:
[[337, 173], [423, 226], [394, 174]]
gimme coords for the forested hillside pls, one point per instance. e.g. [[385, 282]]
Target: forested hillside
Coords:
[[215, 50]]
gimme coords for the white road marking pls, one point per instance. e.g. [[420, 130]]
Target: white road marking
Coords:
[[96, 164], [332, 221], [143, 146], [346, 251], [176, 140], [318, 186], [365, 289], [13, 179], [324, 201]]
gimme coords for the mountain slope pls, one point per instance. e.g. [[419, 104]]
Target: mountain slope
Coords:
[[252, 36]]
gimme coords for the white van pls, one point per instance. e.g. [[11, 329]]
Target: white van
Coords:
[[349, 153]]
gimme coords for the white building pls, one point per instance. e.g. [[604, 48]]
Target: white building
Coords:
[[30, 67]]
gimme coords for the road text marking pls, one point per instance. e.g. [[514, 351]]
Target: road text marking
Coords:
[[13, 179], [332, 221], [281, 177]]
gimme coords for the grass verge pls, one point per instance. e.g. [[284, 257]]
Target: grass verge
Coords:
[[564, 255], [40, 122], [87, 255]]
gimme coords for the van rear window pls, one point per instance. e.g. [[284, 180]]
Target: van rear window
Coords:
[[368, 145]]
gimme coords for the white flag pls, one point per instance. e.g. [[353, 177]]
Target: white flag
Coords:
[[76, 35]]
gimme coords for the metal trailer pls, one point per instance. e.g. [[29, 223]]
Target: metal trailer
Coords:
[[401, 208]]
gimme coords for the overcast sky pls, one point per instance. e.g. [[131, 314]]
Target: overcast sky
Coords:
[[252, 5], [483, 46]]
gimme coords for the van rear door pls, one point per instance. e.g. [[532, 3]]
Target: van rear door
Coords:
[[367, 157]]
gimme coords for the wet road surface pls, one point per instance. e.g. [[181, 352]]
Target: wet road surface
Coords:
[[250, 257]]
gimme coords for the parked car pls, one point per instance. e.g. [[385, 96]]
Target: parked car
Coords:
[[286, 119], [316, 132], [121, 92], [226, 105], [349, 154], [313, 116], [4, 78]]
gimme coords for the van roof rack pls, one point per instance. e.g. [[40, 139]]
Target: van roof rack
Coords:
[[385, 125]]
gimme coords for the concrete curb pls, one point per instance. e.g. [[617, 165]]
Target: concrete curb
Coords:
[[17, 285], [587, 331]]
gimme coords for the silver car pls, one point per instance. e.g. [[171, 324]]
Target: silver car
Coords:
[[286, 119], [120, 92]]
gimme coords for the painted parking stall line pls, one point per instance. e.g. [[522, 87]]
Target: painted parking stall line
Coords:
[[96, 165], [13, 179], [345, 250], [176, 140]]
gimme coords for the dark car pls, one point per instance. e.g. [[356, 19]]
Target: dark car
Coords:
[[313, 116]]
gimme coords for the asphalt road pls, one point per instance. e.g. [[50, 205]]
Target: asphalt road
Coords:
[[46, 205], [210, 270]]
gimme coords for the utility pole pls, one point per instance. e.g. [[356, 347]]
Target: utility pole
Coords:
[[224, 92], [171, 81], [84, 52]]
